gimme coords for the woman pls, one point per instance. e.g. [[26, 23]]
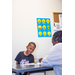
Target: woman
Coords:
[[54, 57]]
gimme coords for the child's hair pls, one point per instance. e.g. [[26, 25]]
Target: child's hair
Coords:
[[57, 36], [32, 43]]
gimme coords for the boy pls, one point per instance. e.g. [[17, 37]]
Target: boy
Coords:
[[26, 55], [54, 57]]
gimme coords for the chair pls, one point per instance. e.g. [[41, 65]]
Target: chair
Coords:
[[39, 72]]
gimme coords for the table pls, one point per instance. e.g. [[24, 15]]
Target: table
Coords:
[[30, 68]]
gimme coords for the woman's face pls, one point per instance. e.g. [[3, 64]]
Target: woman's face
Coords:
[[54, 42], [30, 48]]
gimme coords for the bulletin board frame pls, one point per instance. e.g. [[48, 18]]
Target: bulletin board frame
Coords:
[[56, 17], [57, 20]]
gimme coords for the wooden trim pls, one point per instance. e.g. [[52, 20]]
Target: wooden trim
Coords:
[[56, 17]]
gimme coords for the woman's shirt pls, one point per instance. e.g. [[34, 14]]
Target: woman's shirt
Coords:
[[54, 59]]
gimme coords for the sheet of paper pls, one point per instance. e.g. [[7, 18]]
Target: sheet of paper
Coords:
[[60, 19], [57, 26], [38, 63]]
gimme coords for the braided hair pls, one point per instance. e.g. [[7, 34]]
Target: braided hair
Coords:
[[57, 36]]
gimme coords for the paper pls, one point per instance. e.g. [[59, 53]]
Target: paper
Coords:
[[57, 26], [60, 19], [38, 63]]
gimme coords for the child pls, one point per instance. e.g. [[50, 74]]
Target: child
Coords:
[[26, 55], [54, 57]]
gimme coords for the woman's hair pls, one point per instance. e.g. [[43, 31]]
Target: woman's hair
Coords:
[[57, 36], [32, 43]]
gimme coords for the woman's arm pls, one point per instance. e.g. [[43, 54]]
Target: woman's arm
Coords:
[[40, 60]]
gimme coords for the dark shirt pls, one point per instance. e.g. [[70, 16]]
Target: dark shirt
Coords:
[[21, 57]]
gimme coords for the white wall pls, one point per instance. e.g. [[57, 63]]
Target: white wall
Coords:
[[24, 25]]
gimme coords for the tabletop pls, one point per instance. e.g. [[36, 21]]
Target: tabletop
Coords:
[[29, 68]]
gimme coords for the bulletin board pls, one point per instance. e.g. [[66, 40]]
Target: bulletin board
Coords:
[[57, 20], [44, 27], [56, 16]]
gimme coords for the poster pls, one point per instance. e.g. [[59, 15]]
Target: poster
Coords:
[[60, 19], [44, 27]]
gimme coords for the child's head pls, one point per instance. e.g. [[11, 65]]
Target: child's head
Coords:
[[30, 48], [57, 37]]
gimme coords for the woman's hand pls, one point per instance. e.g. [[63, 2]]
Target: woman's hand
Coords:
[[40, 59]]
